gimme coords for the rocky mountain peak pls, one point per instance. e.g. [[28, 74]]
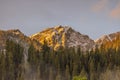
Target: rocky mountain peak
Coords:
[[63, 36], [59, 36], [15, 31], [108, 38], [109, 41], [13, 34], [17, 36]]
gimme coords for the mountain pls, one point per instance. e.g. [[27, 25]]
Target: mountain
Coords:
[[109, 41], [63, 36], [17, 36], [24, 62], [59, 36]]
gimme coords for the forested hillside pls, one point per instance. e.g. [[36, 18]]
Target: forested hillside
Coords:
[[64, 64]]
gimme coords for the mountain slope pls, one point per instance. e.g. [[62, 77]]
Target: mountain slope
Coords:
[[63, 36], [16, 36], [58, 36], [109, 41]]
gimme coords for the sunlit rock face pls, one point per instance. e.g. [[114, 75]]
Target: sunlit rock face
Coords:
[[109, 41], [60, 36], [64, 36]]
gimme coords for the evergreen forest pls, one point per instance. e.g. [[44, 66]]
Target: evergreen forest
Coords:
[[63, 64]]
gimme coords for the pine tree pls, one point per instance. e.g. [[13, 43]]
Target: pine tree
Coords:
[[9, 67], [51, 74], [2, 66], [67, 73]]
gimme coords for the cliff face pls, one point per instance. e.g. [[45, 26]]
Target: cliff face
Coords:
[[63, 36]]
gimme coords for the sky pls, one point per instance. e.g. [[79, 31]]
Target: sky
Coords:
[[91, 17]]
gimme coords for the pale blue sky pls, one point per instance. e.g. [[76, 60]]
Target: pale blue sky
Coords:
[[90, 17]]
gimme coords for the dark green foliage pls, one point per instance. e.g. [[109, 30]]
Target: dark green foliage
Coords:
[[64, 64], [2, 66], [10, 61]]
